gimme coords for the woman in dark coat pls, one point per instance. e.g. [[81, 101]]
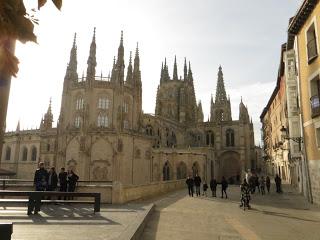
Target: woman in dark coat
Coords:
[[72, 181], [213, 187]]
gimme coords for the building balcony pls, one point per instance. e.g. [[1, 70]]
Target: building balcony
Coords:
[[315, 106]]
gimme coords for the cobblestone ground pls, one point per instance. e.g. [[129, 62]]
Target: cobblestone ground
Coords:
[[273, 216]]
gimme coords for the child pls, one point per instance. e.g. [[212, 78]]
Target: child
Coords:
[[205, 187]]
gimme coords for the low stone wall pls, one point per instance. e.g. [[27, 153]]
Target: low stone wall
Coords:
[[105, 190], [122, 194]]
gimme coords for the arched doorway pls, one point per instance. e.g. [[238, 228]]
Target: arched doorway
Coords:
[[181, 170], [230, 166]]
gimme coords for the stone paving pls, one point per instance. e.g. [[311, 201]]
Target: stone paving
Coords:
[[274, 216], [72, 222]]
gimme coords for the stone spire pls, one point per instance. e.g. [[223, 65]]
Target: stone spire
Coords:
[[199, 112], [166, 76], [211, 109], [18, 126], [243, 113], [136, 68], [129, 72], [48, 118], [190, 77], [185, 70], [221, 95], [71, 72], [92, 63], [175, 70]]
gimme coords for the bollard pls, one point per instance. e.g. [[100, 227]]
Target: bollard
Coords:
[[5, 231]]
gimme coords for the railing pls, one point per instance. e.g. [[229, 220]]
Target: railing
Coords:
[[312, 49], [315, 106], [5, 183], [96, 78]]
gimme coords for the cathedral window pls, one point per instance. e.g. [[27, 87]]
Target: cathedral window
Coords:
[[209, 138], [48, 147], [34, 154], [125, 107], [149, 130], [77, 122], [79, 103], [8, 153], [103, 103], [230, 138], [126, 124], [24, 154], [103, 121]]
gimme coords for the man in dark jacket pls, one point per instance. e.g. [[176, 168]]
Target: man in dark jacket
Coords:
[[52, 180], [41, 178], [224, 186], [213, 187], [190, 184], [197, 183], [277, 180], [63, 180]]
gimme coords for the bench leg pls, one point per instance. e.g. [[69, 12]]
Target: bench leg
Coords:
[[97, 201]]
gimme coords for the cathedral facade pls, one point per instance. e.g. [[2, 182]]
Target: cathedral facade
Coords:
[[103, 134]]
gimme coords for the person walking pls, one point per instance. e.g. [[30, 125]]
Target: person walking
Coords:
[[205, 187], [257, 182], [224, 186], [262, 185], [190, 184], [268, 184], [277, 180], [197, 183], [213, 187], [52, 180]]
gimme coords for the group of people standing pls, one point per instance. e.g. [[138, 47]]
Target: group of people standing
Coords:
[[48, 181], [196, 182]]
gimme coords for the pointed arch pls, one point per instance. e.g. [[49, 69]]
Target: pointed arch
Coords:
[[230, 137], [34, 153], [181, 170], [166, 170], [24, 154], [8, 153]]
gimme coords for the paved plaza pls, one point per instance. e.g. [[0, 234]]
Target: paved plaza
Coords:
[[74, 222], [274, 216]]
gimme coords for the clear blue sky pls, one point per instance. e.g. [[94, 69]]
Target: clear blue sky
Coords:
[[244, 36]]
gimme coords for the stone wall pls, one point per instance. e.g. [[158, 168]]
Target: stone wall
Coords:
[[314, 169], [122, 194]]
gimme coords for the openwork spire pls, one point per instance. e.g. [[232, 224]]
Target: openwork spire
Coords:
[[71, 73], [136, 67], [221, 95], [129, 72], [190, 77], [175, 69], [92, 63], [185, 70]]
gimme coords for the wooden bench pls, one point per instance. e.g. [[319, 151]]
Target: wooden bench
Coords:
[[35, 198]]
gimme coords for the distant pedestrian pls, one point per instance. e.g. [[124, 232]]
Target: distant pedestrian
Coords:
[[224, 186], [52, 180], [63, 181], [252, 184], [257, 182], [72, 181], [190, 184], [277, 180], [268, 184], [213, 187], [197, 183], [41, 178], [262, 185], [205, 187]]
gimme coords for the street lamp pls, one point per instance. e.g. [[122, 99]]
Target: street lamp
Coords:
[[284, 136]]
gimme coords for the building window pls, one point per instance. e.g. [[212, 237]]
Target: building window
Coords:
[[312, 43], [48, 147], [315, 99], [24, 154], [126, 124], [209, 138], [79, 103], [230, 138], [149, 130], [8, 153], [125, 107], [182, 171], [103, 103], [77, 122], [34, 154], [103, 121]]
